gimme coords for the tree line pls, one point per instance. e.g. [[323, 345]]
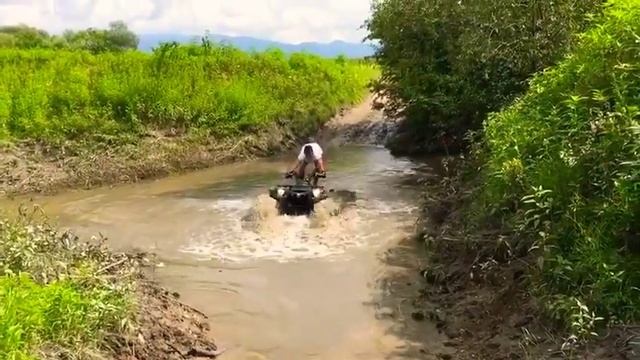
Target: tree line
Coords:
[[117, 37], [447, 63]]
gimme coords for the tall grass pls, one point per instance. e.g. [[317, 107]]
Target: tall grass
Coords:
[[60, 95], [58, 298], [563, 168]]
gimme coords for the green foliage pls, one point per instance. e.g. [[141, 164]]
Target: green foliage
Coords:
[[58, 298], [57, 314], [7, 40], [53, 95], [23, 37], [446, 63], [117, 37], [562, 167]]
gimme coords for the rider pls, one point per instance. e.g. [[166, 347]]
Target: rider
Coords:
[[311, 152]]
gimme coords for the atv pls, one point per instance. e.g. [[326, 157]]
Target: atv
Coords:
[[300, 198]]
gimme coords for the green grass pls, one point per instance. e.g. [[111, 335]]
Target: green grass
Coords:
[[562, 169], [56, 298], [54, 95], [52, 317]]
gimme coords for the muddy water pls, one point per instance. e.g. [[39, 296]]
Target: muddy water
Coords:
[[334, 286]]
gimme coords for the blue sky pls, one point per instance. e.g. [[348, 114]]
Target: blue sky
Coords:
[[283, 20]]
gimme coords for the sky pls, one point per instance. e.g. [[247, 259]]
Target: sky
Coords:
[[290, 21]]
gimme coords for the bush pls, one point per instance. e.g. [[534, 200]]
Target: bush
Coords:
[[562, 167], [446, 64], [58, 298], [39, 318]]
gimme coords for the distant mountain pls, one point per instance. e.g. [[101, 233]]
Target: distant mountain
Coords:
[[332, 49]]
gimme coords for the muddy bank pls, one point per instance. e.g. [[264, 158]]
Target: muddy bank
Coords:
[[166, 329], [63, 298], [478, 294], [29, 167]]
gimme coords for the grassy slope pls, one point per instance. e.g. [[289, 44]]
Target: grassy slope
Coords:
[[535, 240], [56, 296], [60, 95], [64, 299], [140, 115], [562, 170]]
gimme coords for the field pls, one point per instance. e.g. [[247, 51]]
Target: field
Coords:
[[59, 95]]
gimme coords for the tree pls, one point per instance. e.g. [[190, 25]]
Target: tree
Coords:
[[117, 38], [7, 40], [90, 39], [25, 37], [447, 63]]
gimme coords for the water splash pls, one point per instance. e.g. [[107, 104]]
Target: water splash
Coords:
[[254, 230]]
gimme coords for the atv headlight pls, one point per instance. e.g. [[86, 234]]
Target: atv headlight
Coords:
[[316, 193], [280, 192]]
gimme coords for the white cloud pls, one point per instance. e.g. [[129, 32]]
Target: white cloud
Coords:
[[284, 20]]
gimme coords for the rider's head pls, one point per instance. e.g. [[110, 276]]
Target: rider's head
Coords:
[[308, 150]]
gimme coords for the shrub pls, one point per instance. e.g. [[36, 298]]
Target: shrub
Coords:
[[447, 63], [576, 135], [59, 298]]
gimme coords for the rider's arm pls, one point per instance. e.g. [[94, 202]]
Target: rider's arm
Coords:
[[320, 158], [298, 161], [295, 166]]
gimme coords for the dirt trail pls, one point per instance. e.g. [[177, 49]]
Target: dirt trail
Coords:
[[358, 114], [362, 124]]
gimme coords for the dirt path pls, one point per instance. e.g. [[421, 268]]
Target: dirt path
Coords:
[[362, 124], [358, 114]]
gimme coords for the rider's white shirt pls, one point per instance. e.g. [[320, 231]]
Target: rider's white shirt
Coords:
[[317, 152]]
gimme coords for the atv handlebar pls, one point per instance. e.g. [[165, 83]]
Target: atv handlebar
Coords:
[[289, 175]]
